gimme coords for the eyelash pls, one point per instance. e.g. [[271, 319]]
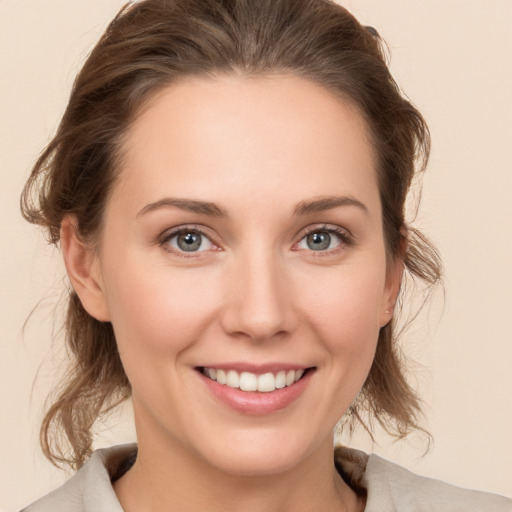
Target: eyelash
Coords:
[[345, 238]]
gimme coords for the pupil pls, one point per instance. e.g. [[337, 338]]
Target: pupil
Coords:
[[189, 241], [319, 241]]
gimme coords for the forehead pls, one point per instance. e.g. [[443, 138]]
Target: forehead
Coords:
[[233, 135]]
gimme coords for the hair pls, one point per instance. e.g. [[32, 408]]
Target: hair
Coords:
[[150, 45]]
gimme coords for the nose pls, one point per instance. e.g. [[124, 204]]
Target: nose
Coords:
[[258, 301]]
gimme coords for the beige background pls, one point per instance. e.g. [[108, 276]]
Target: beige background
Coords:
[[453, 58]]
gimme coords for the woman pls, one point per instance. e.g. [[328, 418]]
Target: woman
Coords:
[[228, 186]]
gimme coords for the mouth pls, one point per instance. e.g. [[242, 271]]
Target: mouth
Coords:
[[253, 382], [256, 390]]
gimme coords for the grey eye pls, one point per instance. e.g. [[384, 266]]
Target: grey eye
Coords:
[[190, 241], [320, 241]]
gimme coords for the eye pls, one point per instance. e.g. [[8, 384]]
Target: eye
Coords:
[[319, 241], [188, 240], [324, 239]]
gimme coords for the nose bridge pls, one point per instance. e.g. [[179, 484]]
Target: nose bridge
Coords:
[[258, 302]]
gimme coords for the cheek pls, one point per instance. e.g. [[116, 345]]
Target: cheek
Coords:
[[352, 297], [345, 311], [340, 312], [159, 309]]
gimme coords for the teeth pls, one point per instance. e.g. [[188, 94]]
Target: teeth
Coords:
[[247, 381], [221, 377], [266, 382], [232, 379], [281, 380]]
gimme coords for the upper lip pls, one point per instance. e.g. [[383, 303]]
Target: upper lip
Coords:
[[258, 369]]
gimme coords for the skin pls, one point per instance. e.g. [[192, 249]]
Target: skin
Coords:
[[258, 148]]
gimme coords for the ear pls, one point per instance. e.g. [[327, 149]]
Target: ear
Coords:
[[394, 276], [83, 269]]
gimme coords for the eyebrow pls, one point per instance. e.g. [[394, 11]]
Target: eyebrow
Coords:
[[327, 203], [190, 205], [211, 209]]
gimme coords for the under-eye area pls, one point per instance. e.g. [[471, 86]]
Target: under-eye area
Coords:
[[248, 381]]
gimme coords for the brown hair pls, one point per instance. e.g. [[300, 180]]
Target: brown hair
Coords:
[[151, 44]]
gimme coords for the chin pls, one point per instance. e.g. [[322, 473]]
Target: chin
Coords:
[[263, 455]]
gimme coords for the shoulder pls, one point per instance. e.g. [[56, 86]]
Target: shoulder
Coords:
[[393, 488], [90, 489]]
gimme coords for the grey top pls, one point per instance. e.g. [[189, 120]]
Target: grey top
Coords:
[[389, 487]]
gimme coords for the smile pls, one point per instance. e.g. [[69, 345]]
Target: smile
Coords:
[[248, 381]]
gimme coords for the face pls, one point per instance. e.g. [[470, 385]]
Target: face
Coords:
[[243, 267]]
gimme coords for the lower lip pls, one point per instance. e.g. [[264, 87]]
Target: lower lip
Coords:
[[257, 403]]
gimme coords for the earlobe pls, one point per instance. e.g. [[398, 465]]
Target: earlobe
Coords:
[[82, 266]]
